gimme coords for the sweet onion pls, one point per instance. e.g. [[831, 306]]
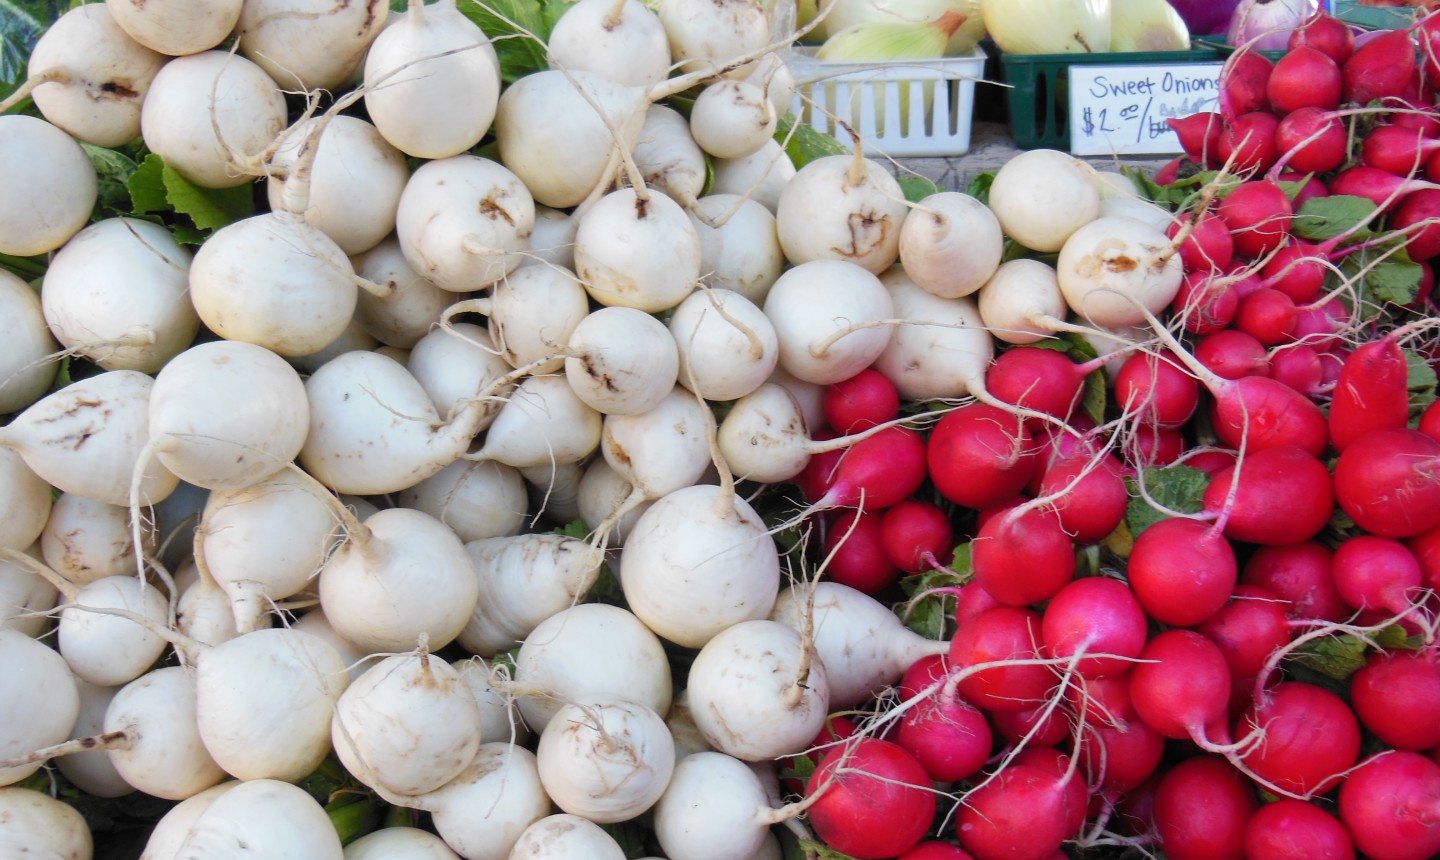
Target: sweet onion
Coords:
[[1048, 26], [1147, 25], [1265, 25]]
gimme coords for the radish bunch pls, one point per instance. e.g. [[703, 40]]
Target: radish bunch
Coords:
[[582, 467]]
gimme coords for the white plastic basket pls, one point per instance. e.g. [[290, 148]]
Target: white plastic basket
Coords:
[[911, 108]]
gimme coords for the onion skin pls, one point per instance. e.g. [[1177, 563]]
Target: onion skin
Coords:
[[1265, 25], [1205, 17]]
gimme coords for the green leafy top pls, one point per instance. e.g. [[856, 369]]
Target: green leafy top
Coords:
[[21, 23]]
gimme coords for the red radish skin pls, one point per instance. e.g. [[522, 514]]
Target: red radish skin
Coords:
[[1020, 814], [1001, 633], [1298, 574], [1301, 368], [1377, 573], [1380, 187], [1182, 571], [1259, 215], [1311, 140], [1304, 77], [855, 547], [1381, 68], [1041, 726], [934, 850], [1181, 687], [1310, 739], [1297, 270], [1199, 136], [1386, 481], [1247, 630], [864, 400], [1268, 315], [1058, 763], [1043, 380], [1391, 806], [878, 471], [917, 535], [1426, 547], [878, 804], [1233, 354], [949, 737], [1243, 83], [1023, 556], [1285, 496], [1118, 751], [1202, 807], [1157, 390], [1289, 829], [1207, 246], [819, 472], [1089, 502], [1095, 615], [836, 729], [1259, 413], [1206, 303], [979, 455], [1247, 143], [1150, 446], [1397, 149], [1418, 216], [1409, 677]]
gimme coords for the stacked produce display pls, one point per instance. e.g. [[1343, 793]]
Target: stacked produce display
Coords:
[[498, 431]]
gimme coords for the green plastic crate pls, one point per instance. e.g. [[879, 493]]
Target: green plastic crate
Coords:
[[1039, 104]]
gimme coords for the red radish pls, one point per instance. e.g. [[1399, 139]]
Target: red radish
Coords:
[[1032, 377], [1304, 77], [1243, 83], [819, 472], [1095, 615], [1284, 496], [1000, 634], [1247, 143], [1058, 763], [1181, 687], [1380, 68], [1325, 33], [1089, 500], [1207, 246], [1170, 171], [1430, 421], [864, 400], [1418, 216], [878, 471], [1380, 187], [874, 799], [1182, 571], [1199, 135], [947, 735], [1259, 214], [1297, 270], [854, 547], [1311, 139], [837, 728], [1247, 630], [1397, 149], [933, 850], [1377, 573], [1154, 446], [1391, 806], [1206, 302], [1268, 315], [1411, 677], [1426, 547], [1040, 726], [1023, 556], [1209, 460], [1157, 390], [917, 535], [1309, 739], [1289, 829], [1202, 807], [1386, 482], [1299, 574], [1310, 186], [1117, 749], [979, 455], [1019, 814], [1299, 367], [1319, 325]]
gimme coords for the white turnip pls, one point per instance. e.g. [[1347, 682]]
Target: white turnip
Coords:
[[760, 176], [282, 36], [52, 198], [482, 812], [1112, 267], [164, 755], [177, 27], [842, 339], [567, 837], [27, 361], [732, 119], [476, 500], [621, 361], [524, 580], [621, 39], [25, 502], [668, 157], [26, 597], [457, 364], [606, 760], [726, 345], [941, 351], [1041, 196], [951, 244], [40, 701], [85, 540], [637, 249], [106, 649], [39, 825], [258, 818], [410, 305], [842, 207], [739, 245]]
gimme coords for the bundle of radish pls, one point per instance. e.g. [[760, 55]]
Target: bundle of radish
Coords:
[[542, 438]]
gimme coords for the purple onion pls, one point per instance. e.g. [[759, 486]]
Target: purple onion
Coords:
[[1265, 25], [1205, 17]]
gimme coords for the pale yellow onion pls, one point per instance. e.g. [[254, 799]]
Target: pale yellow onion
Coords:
[[843, 14], [885, 41], [1048, 26], [1147, 25]]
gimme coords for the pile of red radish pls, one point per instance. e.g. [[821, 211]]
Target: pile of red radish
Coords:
[[603, 495]]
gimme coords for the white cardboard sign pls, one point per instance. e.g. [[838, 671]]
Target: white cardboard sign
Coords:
[[1121, 110]]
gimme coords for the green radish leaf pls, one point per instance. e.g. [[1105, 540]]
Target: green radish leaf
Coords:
[[1178, 488], [25, 268], [208, 208], [514, 26], [1149, 188], [147, 186], [821, 851], [22, 22], [1339, 657], [928, 613], [805, 143], [1420, 381], [1322, 218], [917, 188], [979, 187], [114, 170]]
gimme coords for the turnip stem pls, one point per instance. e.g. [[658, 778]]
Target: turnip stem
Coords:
[[121, 740]]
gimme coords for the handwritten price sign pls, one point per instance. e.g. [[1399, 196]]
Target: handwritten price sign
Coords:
[[1122, 110]]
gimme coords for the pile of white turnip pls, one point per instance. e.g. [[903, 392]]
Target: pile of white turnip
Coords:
[[293, 502]]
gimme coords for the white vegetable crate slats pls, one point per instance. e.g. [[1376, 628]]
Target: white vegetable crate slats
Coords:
[[901, 108]]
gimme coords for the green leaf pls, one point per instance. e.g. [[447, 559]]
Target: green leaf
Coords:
[[513, 26], [147, 186], [114, 170], [806, 143], [821, 851], [26, 268], [1341, 656], [1178, 488], [931, 608], [1420, 381], [1383, 275], [22, 22], [979, 187], [917, 188], [209, 208], [1149, 188], [1327, 217]]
